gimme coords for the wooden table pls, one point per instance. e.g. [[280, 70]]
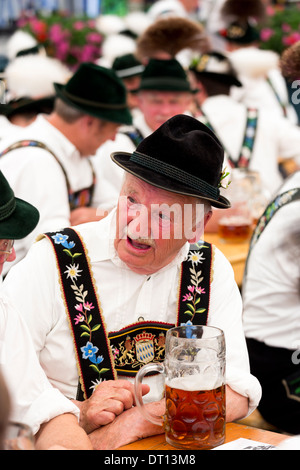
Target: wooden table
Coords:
[[233, 431], [236, 253]]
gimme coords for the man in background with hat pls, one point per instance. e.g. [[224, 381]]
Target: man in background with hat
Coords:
[[252, 138], [164, 91], [129, 69], [47, 163], [129, 275], [52, 418]]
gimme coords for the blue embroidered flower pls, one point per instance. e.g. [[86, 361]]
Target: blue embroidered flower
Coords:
[[189, 329], [89, 352], [60, 239]]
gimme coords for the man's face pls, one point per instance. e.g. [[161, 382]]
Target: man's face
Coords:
[[159, 106], [97, 133], [4, 246], [153, 225]]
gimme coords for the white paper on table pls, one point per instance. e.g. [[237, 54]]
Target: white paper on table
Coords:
[[245, 444]]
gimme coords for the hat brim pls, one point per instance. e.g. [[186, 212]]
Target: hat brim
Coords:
[[165, 85], [28, 105], [121, 116], [21, 223], [220, 77], [122, 159]]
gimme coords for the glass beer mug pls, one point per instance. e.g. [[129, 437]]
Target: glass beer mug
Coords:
[[194, 372]]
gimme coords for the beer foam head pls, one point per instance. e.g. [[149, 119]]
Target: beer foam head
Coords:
[[192, 383]]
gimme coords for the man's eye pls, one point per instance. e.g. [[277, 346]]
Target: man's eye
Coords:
[[163, 216], [131, 200]]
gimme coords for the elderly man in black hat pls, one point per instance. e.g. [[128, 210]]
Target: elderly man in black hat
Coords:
[[47, 163], [52, 418], [136, 272], [163, 92]]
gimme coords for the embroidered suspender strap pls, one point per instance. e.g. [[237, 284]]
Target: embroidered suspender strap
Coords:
[[196, 278], [134, 135], [277, 203], [35, 143], [281, 103], [83, 310], [248, 142], [243, 160], [81, 198]]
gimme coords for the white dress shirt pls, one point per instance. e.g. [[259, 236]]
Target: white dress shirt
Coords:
[[35, 176], [124, 296], [271, 288], [34, 400]]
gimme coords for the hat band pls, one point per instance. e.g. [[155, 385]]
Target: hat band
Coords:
[[182, 84], [83, 101], [182, 176], [7, 209], [130, 71]]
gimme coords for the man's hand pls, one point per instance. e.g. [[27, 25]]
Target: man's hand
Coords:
[[109, 400], [236, 405], [128, 427]]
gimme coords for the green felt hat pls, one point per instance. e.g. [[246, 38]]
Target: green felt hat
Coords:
[[17, 217], [127, 65], [165, 75], [97, 91]]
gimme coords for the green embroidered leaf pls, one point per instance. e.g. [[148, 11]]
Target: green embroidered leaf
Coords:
[[95, 368], [197, 301], [102, 371], [89, 319], [85, 334], [76, 255], [96, 327], [188, 313], [86, 328], [191, 306], [68, 252], [201, 310]]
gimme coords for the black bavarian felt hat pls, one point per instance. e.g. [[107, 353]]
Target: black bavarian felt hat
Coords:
[[240, 33], [216, 66], [182, 156], [27, 105], [17, 217], [97, 91], [164, 75]]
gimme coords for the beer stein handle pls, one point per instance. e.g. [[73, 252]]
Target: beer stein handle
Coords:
[[138, 394]]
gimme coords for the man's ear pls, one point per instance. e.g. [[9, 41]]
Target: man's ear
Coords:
[[199, 229]]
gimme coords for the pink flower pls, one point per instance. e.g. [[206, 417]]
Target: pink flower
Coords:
[[191, 288], [286, 28], [88, 306], [187, 297], [200, 290], [266, 34], [94, 37], [79, 318], [78, 25], [79, 307]]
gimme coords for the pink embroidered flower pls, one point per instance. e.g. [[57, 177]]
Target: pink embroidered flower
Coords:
[[200, 290], [79, 318], [187, 297], [88, 306], [79, 307], [191, 288]]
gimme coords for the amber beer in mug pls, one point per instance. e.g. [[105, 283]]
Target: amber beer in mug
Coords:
[[194, 417], [235, 228], [194, 371]]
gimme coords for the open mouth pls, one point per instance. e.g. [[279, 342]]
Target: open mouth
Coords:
[[138, 245]]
